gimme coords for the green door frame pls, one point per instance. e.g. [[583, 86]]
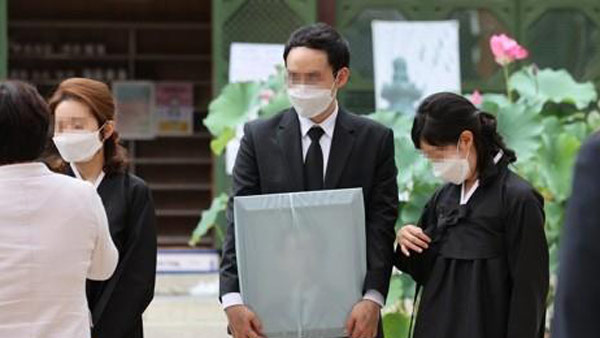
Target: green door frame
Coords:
[[3, 39]]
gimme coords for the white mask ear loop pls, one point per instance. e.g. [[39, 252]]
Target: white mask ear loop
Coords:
[[99, 131], [335, 79]]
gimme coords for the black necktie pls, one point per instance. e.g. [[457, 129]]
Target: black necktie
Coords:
[[313, 166]]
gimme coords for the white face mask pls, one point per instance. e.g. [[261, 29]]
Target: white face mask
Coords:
[[310, 100], [76, 147], [452, 170]]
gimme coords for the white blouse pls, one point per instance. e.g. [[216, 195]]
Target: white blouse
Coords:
[[53, 235]]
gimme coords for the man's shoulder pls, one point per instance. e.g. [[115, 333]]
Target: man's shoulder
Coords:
[[590, 150], [356, 122], [364, 124], [269, 123]]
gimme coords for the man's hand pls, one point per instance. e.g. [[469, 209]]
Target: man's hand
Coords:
[[243, 323], [364, 320]]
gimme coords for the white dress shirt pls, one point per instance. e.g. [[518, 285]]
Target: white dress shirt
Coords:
[[53, 235], [328, 126]]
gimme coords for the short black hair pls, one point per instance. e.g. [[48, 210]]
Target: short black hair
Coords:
[[24, 123], [442, 117], [322, 37]]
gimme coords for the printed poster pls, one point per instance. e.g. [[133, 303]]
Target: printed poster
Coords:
[[135, 109], [174, 108]]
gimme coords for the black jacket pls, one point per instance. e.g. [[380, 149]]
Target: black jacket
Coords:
[[118, 303], [485, 274], [578, 294]]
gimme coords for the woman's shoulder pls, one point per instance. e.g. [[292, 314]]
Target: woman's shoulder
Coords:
[[136, 185], [136, 181], [518, 189], [69, 193], [129, 179], [72, 185], [127, 182]]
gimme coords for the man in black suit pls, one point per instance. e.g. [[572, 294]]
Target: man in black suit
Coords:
[[318, 145], [578, 295]]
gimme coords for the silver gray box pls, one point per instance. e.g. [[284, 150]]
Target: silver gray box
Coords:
[[301, 259]]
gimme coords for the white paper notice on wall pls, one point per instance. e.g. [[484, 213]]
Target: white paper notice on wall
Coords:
[[413, 60], [250, 62], [254, 61]]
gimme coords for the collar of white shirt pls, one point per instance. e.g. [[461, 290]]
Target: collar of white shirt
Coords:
[[78, 175], [30, 169], [465, 196], [328, 125]]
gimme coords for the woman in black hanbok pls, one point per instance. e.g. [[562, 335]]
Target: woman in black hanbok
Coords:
[[479, 251]]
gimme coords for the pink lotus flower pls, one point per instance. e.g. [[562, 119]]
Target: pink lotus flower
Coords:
[[476, 98], [506, 50], [266, 95]]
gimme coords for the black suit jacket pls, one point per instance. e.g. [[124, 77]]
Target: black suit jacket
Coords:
[[362, 155], [578, 294], [117, 304]]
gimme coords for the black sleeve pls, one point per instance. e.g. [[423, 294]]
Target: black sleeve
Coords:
[[382, 214], [578, 294], [418, 265], [245, 182], [528, 264], [134, 288]]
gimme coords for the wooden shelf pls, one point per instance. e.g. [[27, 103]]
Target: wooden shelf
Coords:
[[55, 82], [197, 135], [182, 241], [174, 57], [61, 57], [201, 109], [44, 82], [181, 187], [178, 213], [106, 25], [202, 135], [171, 161], [115, 57]]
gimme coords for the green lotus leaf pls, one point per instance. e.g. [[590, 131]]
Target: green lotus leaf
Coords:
[[548, 85], [209, 218], [231, 108]]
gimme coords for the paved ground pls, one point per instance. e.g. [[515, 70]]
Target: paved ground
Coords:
[[175, 313]]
